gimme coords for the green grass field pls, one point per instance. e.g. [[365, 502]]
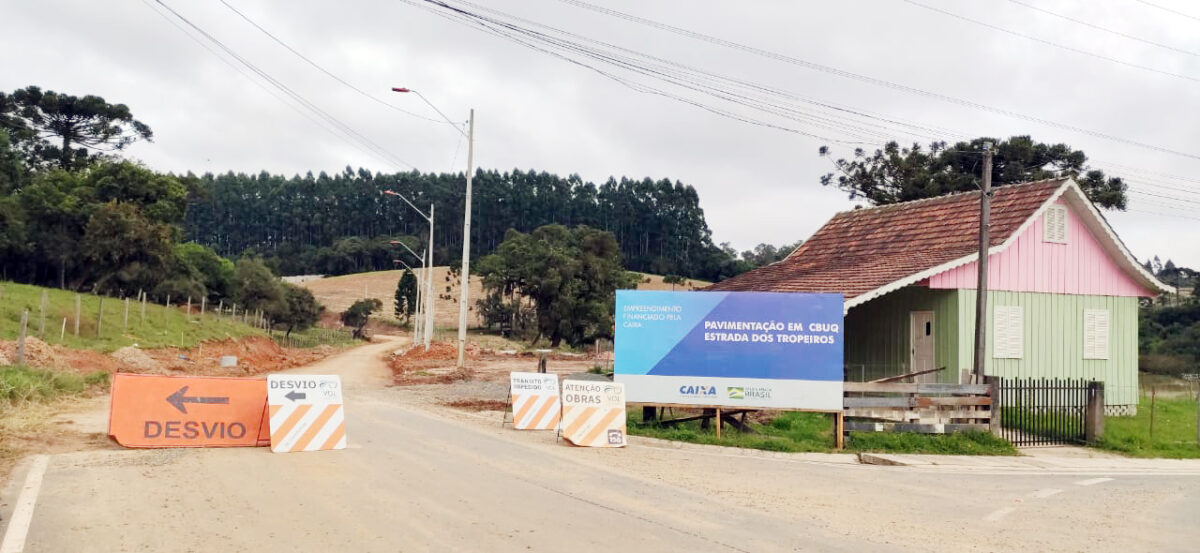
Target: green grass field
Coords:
[[1174, 430], [803, 432], [161, 326], [19, 384]]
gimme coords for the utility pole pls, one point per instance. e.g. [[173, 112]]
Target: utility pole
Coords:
[[429, 285], [985, 196], [465, 275]]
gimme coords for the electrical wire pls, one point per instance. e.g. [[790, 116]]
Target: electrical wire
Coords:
[[349, 132], [1105, 29], [739, 92], [1049, 42], [1169, 10], [875, 81], [322, 69]]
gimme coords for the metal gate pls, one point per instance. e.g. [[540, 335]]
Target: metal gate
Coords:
[[1039, 412]]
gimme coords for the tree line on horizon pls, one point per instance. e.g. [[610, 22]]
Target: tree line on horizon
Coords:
[[342, 223]]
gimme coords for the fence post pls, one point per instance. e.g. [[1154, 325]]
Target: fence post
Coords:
[[21, 339], [42, 326], [78, 308], [100, 317], [993, 383], [203, 304], [1093, 419], [125, 320]]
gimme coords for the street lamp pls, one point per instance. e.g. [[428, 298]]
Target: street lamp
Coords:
[[428, 327], [465, 273], [417, 326]]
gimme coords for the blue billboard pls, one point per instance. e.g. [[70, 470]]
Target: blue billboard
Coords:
[[742, 349]]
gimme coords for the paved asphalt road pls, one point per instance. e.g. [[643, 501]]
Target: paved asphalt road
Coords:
[[417, 478]]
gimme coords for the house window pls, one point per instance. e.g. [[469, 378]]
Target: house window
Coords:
[[1008, 332], [1054, 225], [1095, 334]]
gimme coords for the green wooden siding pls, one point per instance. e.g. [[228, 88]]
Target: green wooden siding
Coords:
[[877, 338], [878, 341], [1053, 340]]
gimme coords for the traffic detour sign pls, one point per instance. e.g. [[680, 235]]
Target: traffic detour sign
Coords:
[[593, 413], [175, 411], [306, 412], [535, 402]]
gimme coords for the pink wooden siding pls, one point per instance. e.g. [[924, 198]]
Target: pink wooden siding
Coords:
[[1030, 265]]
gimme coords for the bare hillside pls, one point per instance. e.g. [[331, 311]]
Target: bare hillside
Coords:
[[337, 293]]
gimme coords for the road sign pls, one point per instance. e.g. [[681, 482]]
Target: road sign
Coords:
[[175, 411], [306, 412], [593, 413], [730, 349], [535, 403]]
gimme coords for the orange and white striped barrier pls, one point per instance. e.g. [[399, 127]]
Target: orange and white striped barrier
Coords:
[[593, 413], [306, 412], [535, 403]]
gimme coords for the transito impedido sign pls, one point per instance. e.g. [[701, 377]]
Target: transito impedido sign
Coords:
[[535, 403], [306, 412], [593, 413], [735, 349]]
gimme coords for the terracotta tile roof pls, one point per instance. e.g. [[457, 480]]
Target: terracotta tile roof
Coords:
[[860, 250]]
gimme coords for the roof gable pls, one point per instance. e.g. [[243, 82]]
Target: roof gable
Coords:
[[865, 253]]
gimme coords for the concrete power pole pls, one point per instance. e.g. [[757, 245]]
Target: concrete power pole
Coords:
[[985, 207], [465, 275], [429, 286]]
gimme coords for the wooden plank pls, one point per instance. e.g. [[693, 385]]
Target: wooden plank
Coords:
[[913, 427], [924, 401], [908, 375], [915, 388], [901, 415], [894, 401]]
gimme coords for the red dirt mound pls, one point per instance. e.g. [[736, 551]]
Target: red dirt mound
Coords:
[[435, 366]]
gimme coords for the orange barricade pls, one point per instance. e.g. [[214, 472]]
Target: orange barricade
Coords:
[[306, 412], [178, 411], [535, 402], [593, 413]]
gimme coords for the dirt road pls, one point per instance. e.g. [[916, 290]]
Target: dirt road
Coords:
[[418, 477]]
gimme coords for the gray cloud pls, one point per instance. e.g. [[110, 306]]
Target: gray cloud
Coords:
[[536, 111]]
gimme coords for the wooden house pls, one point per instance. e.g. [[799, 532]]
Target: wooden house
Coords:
[[1063, 290]]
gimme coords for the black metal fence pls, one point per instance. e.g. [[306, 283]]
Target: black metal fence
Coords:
[[1036, 412]]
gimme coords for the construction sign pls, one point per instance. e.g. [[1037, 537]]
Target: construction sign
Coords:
[[535, 403], [306, 412], [177, 411], [593, 413]]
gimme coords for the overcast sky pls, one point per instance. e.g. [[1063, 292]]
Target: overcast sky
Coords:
[[535, 111]]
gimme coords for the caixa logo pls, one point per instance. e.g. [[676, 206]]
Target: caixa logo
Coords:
[[697, 390]]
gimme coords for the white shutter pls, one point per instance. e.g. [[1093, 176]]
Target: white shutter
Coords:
[[1054, 225], [1095, 334], [1008, 332]]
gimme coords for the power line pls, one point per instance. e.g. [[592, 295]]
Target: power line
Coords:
[[1179, 216], [1048, 42], [1172, 198], [678, 75], [235, 67], [1169, 10], [666, 70], [322, 69], [873, 80], [1105, 29], [352, 134]]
